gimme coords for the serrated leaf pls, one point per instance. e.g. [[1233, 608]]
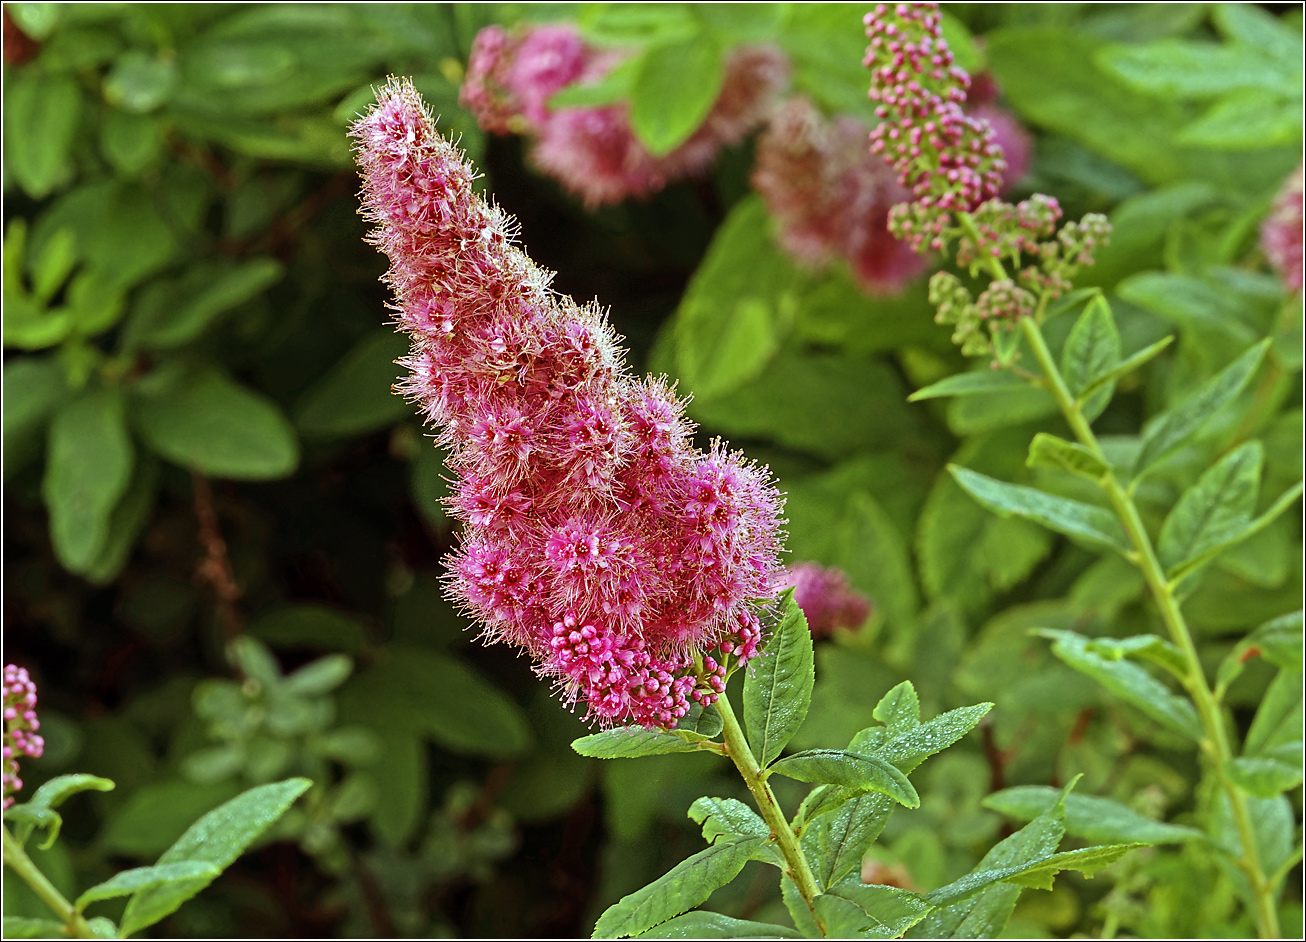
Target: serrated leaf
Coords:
[[899, 709], [127, 882], [908, 748], [1129, 682], [1093, 525], [674, 90], [1214, 509], [778, 685], [1048, 451], [979, 382], [685, 886], [700, 724], [860, 772], [218, 839], [1090, 817], [1093, 347], [705, 925], [877, 912], [1286, 500], [1126, 366], [1173, 428], [835, 843], [631, 742], [727, 817], [1086, 860]]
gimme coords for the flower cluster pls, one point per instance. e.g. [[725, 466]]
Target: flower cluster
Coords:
[[595, 535], [592, 151], [21, 726], [825, 597], [1281, 234]]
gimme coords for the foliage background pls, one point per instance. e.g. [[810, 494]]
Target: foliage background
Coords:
[[201, 456]]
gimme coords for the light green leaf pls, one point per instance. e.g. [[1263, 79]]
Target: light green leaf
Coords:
[[211, 425], [1126, 366], [727, 817], [1048, 451], [1090, 817], [870, 912], [217, 839], [676, 86], [88, 469], [1213, 510], [684, 887], [907, 748], [978, 382], [33, 388], [860, 772], [320, 676], [1092, 349], [1152, 648], [631, 742], [127, 882], [778, 685], [1129, 682], [139, 82], [1278, 720], [1091, 524], [1171, 429], [706, 925], [835, 843], [41, 114], [1266, 776], [1184, 69], [1255, 119], [1286, 500], [899, 709], [20, 927], [355, 395]]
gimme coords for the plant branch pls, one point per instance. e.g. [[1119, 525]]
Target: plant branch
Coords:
[[1216, 742], [17, 860]]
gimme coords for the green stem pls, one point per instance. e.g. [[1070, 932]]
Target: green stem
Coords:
[[994, 265], [1216, 741], [737, 748], [17, 860]]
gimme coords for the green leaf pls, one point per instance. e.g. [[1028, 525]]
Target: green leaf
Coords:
[[1200, 307], [1213, 510], [316, 627], [1255, 119], [676, 86], [778, 685], [899, 709], [1086, 860], [127, 522], [1152, 648], [1092, 349], [1278, 720], [684, 887], [1266, 776], [20, 927], [62, 787], [1174, 427], [1091, 524], [1183, 69], [155, 815], [727, 817], [613, 87], [1286, 500], [1279, 641], [216, 839], [355, 395], [699, 724], [139, 82], [28, 819], [706, 925], [1090, 817], [978, 382], [319, 677], [1129, 682], [1048, 451], [835, 843], [211, 425], [33, 388], [855, 910], [41, 114], [174, 312], [127, 882], [908, 747], [860, 772], [88, 469], [1125, 367], [631, 742]]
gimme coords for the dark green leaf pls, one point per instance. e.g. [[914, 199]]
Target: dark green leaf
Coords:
[[1126, 366], [127, 521], [1090, 817], [684, 887], [1278, 720], [727, 817], [1286, 500], [860, 772], [175, 312], [131, 142], [88, 468], [218, 839], [631, 742], [154, 816], [778, 685], [1093, 347], [33, 388], [676, 86], [970, 384], [127, 882], [316, 627], [1167, 432], [1091, 524], [1129, 682], [877, 912], [1048, 451], [699, 724], [1213, 510], [355, 394], [705, 925], [1266, 776], [799, 911], [216, 427], [835, 843], [1280, 641]]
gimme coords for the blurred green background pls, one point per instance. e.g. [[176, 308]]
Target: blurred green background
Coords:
[[223, 534]]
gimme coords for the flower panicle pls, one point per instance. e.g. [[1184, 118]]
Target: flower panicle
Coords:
[[21, 730], [595, 535]]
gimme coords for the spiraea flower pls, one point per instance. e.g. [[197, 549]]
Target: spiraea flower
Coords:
[[628, 563], [831, 197], [1281, 233], [825, 597], [21, 725], [593, 151]]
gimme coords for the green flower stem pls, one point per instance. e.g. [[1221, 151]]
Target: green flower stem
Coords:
[[1216, 743], [737, 748], [17, 860]]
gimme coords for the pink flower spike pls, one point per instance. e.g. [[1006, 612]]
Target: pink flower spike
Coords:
[[1281, 233], [826, 598], [21, 724]]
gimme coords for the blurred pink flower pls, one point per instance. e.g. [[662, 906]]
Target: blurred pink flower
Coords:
[[825, 598], [831, 197], [595, 535], [20, 731], [1281, 233]]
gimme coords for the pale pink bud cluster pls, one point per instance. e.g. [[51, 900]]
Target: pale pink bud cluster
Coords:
[[831, 197], [825, 597], [1281, 233], [595, 535], [592, 151], [21, 726], [948, 159]]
